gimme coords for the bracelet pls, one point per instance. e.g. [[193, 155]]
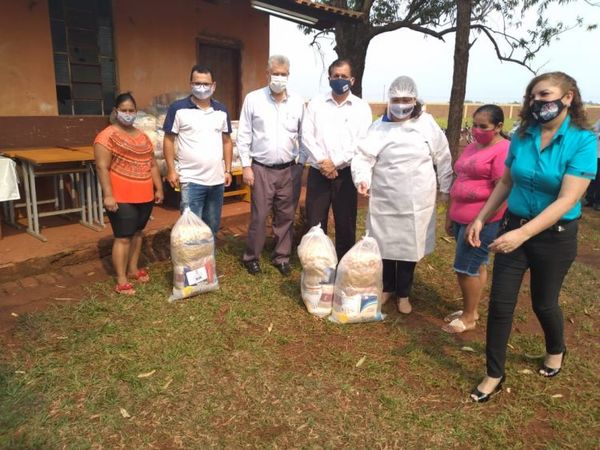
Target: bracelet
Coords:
[[228, 171]]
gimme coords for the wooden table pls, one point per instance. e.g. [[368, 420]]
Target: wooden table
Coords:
[[55, 161], [243, 190]]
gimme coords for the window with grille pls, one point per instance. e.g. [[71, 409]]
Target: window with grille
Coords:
[[84, 64]]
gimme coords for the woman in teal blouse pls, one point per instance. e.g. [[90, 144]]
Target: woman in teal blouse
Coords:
[[551, 160]]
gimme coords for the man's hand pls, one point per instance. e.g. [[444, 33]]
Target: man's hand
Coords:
[[228, 179], [173, 179], [363, 189], [248, 176], [327, 169]]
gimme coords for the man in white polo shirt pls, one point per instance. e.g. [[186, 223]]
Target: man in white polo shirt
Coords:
[[202, 166], [268, 143], [333, 123]]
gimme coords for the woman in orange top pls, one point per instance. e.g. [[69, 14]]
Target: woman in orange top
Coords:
[[130, 182]]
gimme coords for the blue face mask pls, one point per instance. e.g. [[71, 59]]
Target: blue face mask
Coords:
[[339, 85]]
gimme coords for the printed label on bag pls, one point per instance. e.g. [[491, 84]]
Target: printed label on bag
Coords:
[[196, 276]]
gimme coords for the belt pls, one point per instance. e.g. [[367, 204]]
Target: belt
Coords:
[[275, 166], [558, 226]]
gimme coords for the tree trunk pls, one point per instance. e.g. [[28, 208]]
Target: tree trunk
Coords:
[[351, 42], [459, 77]]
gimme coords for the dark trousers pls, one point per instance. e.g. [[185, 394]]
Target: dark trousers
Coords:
[[339, 194], [398, 276], [272, 191], [592, 195], [548, 256], [297, 171]]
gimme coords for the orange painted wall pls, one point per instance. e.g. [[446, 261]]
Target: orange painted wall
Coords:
[[27, 85], [155, 45]]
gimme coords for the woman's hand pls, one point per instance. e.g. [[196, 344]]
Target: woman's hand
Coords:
[[363, 189], [508, 242], [110, 204], [159, 196], [248, 176], [472, 233]]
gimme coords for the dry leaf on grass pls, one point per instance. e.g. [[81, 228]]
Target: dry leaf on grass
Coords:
[[361, 361], [571, 320], [270, 328], [124, 413], [89, 274], [447, 239], [557, 396], [508, 390], [525, 371], [14, 314], [511, 347], [467, 349], [167, 384], [147, 374]]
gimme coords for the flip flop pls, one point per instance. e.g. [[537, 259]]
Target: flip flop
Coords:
[[141, 276], [457, 326], [125, 289], [455, 315]]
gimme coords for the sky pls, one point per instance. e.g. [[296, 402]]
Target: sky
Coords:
[[429, 61]]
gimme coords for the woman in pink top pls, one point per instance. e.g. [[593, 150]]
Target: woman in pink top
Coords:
[[478, 169]]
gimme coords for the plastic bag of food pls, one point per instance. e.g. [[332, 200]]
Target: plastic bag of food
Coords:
[[318, 259], [359, 284], [193, 256]]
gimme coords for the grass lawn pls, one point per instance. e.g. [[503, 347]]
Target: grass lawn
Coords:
[[248, 367]]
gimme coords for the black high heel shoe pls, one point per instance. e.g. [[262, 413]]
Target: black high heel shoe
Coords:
[[549, 372], [479, 397]]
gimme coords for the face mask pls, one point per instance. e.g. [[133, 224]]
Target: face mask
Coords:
[[126, 119], [339, 85], [483, 137], [543, 111], [278, 83], [401, 110], [202, 92]]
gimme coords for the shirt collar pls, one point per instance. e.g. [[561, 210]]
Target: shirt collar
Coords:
[[191, 104], [536, 129], [270, 96], [349, 99]]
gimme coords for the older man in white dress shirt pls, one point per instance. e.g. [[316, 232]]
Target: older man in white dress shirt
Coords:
[[268, 143], [333, 123]]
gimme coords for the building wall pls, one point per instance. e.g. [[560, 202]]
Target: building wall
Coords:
[[27, 84], [156, 44], [155, 47]]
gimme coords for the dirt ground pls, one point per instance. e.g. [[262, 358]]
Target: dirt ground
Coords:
[[68, 284]]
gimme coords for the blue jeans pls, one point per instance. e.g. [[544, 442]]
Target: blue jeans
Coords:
[[204, 201]]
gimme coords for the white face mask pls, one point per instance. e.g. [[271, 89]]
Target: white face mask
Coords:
[[401, 110], [126, 119], [202, 92], [278, 83]]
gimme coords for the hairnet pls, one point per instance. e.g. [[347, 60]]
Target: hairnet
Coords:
[[403, 86]]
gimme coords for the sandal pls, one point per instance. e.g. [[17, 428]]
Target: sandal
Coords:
[[125, 289], [458, 326], [141, 276], [457, 315], [550, 372], [481, 397]]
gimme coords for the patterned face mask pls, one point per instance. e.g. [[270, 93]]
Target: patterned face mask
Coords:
[[545, 111]]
